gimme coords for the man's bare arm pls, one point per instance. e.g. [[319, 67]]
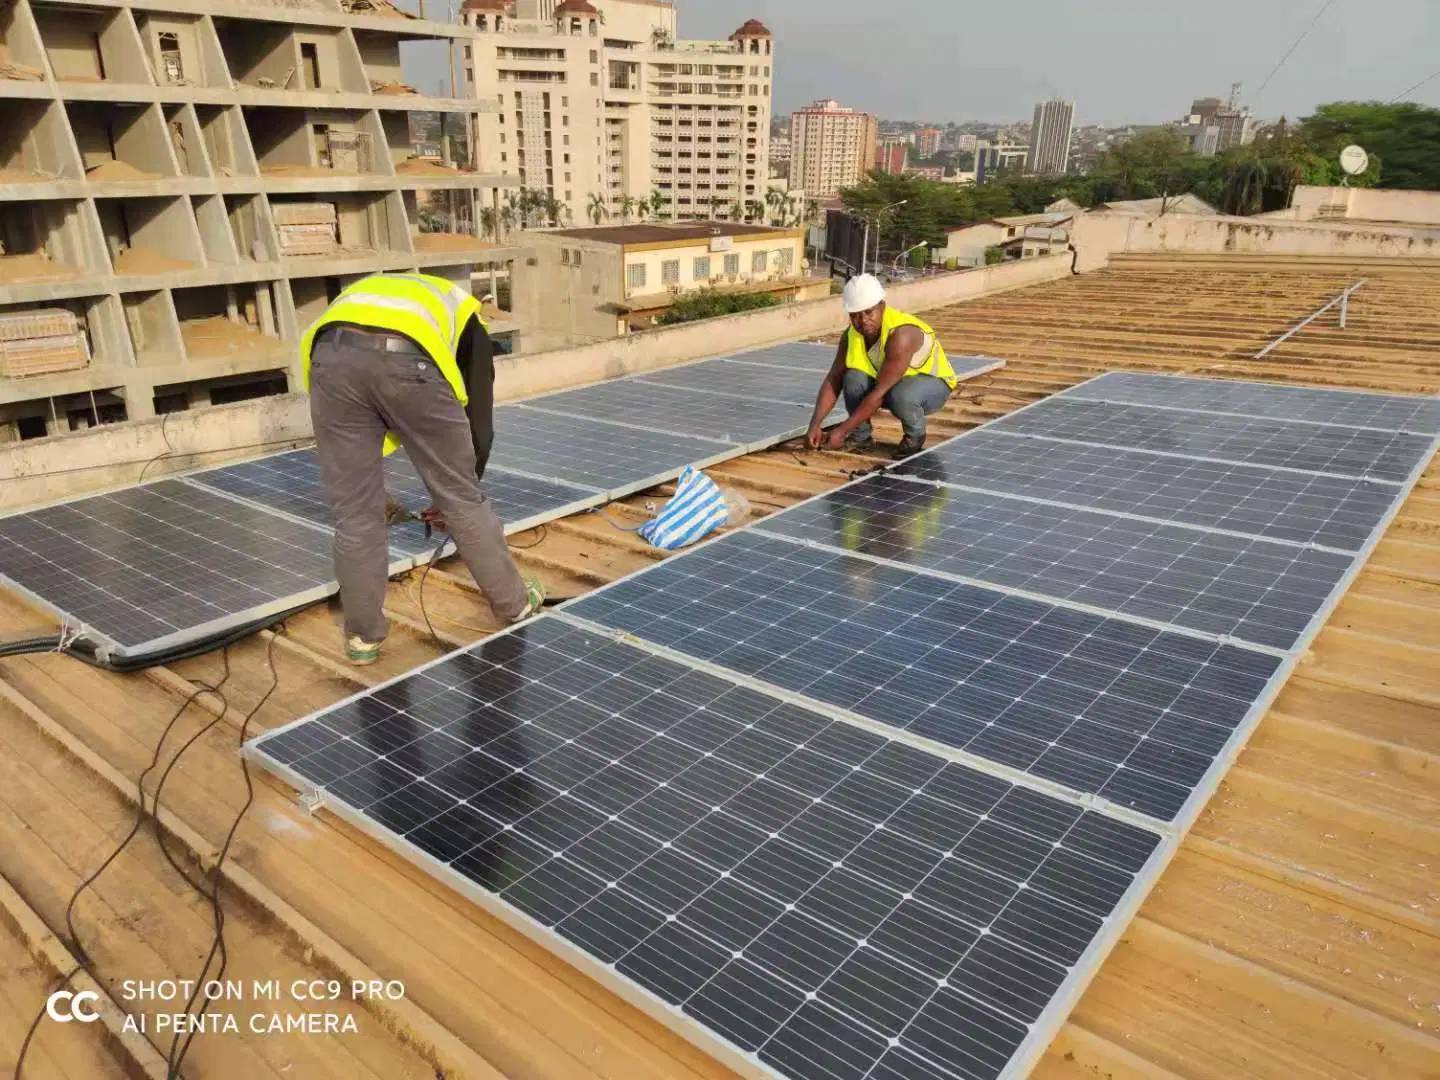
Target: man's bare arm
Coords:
[[830, 390], [904, 342]]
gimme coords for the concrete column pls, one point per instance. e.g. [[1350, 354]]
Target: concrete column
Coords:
[[232, 309], [139, 401], [267, 310], [57, 425]]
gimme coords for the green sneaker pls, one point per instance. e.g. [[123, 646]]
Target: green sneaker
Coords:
[[360, 652], [534, 599]]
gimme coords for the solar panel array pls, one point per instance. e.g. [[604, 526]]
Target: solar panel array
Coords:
[[567, 452], [823, 900], [867, 789]]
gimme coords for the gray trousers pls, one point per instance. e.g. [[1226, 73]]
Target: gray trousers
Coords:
[[910, 400], [356, 394]]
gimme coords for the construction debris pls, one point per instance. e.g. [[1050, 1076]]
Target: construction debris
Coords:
[[307, 228], [383, 8], [20, 72], [379, 87], [418, 166], [35, 266], [40, 342]]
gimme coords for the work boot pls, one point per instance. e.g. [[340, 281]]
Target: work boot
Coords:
[[909, 447], [360, 652], [534, 599], [859, 444]]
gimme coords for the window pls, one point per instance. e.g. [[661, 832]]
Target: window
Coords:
[[564, 256], [566, 143], [670, 272], [594, 56], [635, 275], [702, 268], [565, 122], [564, 101], [567, 178], [732, 262], [757, 262], [787, 260], [502, 138], [594, 78], [576, 260]]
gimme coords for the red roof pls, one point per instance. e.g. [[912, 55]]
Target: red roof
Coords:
[[486, 5], [752, 28], [576, 7]]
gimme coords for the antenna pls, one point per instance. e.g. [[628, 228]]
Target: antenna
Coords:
[[1354, 161]]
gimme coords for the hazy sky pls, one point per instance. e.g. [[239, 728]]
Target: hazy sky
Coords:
[[1122, 61]]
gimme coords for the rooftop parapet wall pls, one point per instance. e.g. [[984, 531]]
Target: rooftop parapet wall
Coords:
[[1096, 237], [44, 470]]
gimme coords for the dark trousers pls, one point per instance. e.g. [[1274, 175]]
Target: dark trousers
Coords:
[[910, 400], [357, 393]]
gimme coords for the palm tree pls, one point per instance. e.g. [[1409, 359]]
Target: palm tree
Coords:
[[597, 209], [737, 212], [553, 209], [489, 221], [657, 203], [627, 207], [754, 210], [776, 199], [716, 202]]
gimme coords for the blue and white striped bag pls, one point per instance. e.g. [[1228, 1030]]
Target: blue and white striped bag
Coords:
[[696, 510]]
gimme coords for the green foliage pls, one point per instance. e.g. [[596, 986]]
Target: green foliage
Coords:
[[707, 304], [1403, 140], [993, 255]]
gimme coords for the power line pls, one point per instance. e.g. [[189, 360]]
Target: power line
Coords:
[[1293, 46], [1411, 89]]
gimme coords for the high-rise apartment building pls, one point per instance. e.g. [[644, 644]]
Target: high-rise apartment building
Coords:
[[602, 106], [1050, 136], [185, 186], [892, 155], [927, 143], [1213, 125], [832, 147]]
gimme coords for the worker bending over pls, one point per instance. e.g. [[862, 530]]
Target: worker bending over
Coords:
[[887, 359], [406, 360]]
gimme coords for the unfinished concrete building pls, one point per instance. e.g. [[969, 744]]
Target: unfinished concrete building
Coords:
[[184, 187]]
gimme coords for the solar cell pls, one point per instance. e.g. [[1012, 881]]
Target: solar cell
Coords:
[[747, 381], [147, 565], [1255, 590], [595, 454], [1351, 408], [1304, 508], [659, 408], [809, 355], [822, 901], [290, 483], [1343, 451], [1134, 714]]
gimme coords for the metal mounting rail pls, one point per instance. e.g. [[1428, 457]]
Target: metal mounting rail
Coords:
[[1343, 300]]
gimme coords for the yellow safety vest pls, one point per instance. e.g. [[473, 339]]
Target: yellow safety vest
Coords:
[[431, 311], [937, 363]]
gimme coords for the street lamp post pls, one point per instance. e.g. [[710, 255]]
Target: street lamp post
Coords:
[[878, 215], [895, 266]]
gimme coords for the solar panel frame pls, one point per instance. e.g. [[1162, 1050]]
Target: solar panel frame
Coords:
[[305, 501], [1342, 407], [1038, 1032], [1258, 591], [1260, 501], [110, 646], [1246, 439]]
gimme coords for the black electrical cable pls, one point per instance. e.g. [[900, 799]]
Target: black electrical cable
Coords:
[[176, 1056], [430, 565], [74, 943]]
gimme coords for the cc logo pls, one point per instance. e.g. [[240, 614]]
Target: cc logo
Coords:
[[64, 1006]]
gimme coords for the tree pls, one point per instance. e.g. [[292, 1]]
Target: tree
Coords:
[[1403, 140], [776, 200], [489, 222], [657, 203], [627, 207], [553, 208], [737, 211], [754, 210], [597, 210], [716, 203], [708, 303], [1263, 175]]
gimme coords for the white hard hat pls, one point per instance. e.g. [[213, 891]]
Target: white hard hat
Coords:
[[862, 292]]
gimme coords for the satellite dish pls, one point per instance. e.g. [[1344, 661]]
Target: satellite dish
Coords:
[[1354, 160]]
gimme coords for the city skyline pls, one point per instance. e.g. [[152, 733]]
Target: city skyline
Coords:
[[1103, 56]]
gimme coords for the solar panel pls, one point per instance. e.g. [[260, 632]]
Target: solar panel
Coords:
[[659, 408], [290, 483], [1342, 451], [1348, 408], [1134, 714], [609, 457], [808, 355], [805, 897], [747, 381], [1306, 508], [1254, 590], [147, 566]]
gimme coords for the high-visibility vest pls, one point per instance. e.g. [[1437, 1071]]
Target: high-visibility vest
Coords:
[[936, 363], [429, 310]]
